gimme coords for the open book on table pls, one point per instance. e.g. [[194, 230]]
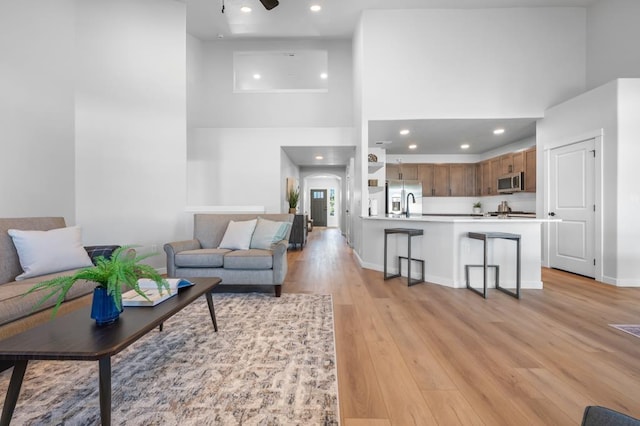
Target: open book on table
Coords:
[[150, 289]]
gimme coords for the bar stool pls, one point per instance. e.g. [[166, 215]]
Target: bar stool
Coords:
[[409, 233], [484, 236]]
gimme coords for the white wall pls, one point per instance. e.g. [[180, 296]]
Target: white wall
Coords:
[[471, 63], [247, 162], [223, 108], [584, 117], [131, 121], [627, 186], [612, 41], [235, 139], [36, 109]]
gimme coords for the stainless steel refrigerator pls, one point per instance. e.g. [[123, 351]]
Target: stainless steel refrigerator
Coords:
[[398, 193]]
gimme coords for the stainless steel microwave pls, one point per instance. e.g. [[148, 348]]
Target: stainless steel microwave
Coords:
[[513, 182]]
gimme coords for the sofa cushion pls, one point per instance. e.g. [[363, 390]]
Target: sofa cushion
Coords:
[[16, 306], [9, 262], [201, 258], [238, 235], [45, 252], [268, 232], [249, 259]]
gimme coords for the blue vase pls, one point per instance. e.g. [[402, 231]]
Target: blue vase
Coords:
[[103, 308]]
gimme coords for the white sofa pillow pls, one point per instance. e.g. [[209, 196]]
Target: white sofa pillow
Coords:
[[238, 235], [268, 232], [46, 252]]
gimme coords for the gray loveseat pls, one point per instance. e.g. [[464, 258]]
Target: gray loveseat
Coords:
[[16, 311], [201, 257]]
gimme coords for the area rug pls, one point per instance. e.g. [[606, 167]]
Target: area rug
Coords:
[[633, 329], [272, 362]]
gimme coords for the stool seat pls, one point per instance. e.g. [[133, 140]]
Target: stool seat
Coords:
[[409, 232], [484, 237]]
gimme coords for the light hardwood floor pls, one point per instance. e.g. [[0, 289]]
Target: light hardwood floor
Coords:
[[432, 355]]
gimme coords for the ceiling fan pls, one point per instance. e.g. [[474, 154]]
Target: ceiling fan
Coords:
[[268, 4]]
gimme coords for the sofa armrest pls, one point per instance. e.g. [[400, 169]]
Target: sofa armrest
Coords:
[[97, 251], [280, 264], [171, 249]]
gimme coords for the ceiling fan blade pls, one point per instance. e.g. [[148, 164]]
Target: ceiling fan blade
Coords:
[[269, 4]]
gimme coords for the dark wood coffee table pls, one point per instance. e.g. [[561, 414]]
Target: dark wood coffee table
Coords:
[[75, 337]]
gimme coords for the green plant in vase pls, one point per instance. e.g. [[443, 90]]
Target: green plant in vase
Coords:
[[477, 207], [294, 196], [123, 268]]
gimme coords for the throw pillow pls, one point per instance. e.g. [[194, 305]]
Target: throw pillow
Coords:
[[46, 252], [238, 235], [268, 232]]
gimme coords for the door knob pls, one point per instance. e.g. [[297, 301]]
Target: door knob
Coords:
[[552, 214]]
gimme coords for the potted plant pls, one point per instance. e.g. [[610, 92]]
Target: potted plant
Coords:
[[294, 196], [477, 207], [122, 268]]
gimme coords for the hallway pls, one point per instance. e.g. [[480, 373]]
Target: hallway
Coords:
[[433, 355]]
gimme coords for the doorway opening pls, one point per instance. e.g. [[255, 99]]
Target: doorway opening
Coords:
[[319, 207]]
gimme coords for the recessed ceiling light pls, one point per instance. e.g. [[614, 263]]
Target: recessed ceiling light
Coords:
[[245, 9], [498, 131], [316, 8], [404, 132], [319, 157], [413, 146], [324, 76], [464, 146], [257, 76]]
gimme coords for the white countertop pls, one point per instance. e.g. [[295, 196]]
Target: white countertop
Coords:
[[468, 219]]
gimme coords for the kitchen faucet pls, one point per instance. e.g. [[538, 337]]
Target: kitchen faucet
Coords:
[[414, 201]]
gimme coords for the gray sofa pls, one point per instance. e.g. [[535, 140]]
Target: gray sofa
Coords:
[[201, 257], [16, 311]]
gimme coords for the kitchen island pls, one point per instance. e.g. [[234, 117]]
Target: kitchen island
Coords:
[[446, 249]]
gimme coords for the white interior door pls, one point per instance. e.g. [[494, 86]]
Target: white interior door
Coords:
[[572, 199]]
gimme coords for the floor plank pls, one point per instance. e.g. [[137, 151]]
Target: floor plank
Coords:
[[428, 354]]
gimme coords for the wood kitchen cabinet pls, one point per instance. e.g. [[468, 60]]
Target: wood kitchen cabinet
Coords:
[[401, 171], [530, 170], [506, 164], [441, 180], [518, 162], [409, 171], [392, 171], [469, 180], [456, 180], [491, 169], [425, 175], [478, 185], [496, 171]]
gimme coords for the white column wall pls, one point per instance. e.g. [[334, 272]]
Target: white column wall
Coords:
[[584, 117], [36, 109], [131, 121], [244, 165], [612, 41], [628, 253], [471, 63]]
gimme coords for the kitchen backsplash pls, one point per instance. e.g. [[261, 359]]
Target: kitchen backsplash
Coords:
[[525, 202]]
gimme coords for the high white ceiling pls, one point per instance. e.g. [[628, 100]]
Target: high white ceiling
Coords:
[[338, 19]]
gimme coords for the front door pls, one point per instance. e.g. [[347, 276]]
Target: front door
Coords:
[[572, 199], [319, 207]]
